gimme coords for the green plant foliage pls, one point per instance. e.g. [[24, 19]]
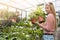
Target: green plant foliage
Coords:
[[36, 13], [59, 24], [23, 30]]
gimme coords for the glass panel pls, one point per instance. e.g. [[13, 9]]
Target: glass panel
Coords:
[[19, 13], [49, 0], [3, 7], [24, 14], [12, 9]]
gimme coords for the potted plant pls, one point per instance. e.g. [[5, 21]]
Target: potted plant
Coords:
[[40, 19], [38, 15]]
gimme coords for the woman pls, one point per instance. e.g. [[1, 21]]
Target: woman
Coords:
[[50, 25]]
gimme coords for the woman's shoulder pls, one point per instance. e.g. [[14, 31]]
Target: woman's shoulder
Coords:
[[50, 15]]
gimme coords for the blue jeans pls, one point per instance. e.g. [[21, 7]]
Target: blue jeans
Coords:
[[48, 37]]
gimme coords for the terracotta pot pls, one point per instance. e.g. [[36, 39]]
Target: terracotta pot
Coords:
[[40, 19], [33, 20]]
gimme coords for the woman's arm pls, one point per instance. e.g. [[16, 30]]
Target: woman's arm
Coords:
[[43, 26], [48, 26]]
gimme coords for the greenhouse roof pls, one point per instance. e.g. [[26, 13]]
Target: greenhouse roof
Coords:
[[29, 5]]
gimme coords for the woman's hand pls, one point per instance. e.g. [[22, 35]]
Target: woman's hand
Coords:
[[37, 23]]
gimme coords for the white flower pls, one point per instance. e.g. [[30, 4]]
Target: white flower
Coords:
[[27, 35]]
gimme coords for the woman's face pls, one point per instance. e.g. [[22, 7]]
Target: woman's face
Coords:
[[47, 8]]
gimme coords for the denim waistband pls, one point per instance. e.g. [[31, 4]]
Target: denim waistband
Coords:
[[47, 34]]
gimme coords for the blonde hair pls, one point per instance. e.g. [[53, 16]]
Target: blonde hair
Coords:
[[53, 11]]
